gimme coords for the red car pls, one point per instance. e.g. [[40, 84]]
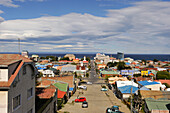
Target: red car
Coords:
[[81, 99]]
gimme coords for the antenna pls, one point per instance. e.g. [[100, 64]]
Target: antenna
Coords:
[[19, 45]]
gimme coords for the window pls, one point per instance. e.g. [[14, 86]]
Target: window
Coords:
[[30, 111], [24, 70], [16, 102], [29, 93]]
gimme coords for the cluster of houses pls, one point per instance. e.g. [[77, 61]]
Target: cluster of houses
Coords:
[[138, 81], [62, 67], [22, 89]]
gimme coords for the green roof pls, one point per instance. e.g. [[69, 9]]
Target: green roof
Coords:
[[52, 69], [99, 63], [61, 86], [157, 104], [109, 72]]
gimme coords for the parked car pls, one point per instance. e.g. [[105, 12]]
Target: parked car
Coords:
[[82, 87], [103, 89], [89, 83], [85, 104], [81, 99], [109, 86], [113, 109]]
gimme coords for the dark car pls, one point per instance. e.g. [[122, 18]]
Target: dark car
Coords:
[[85, 104], [113, 109]]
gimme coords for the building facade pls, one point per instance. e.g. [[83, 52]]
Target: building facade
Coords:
[[17, 84]]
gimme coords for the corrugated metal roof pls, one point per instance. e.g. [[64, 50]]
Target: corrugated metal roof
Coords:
[[145, 83], [157, 104], [127, 89], [61, 86], [109, 72], [60, 94]]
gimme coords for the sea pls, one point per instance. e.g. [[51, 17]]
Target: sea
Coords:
[[161, 57]]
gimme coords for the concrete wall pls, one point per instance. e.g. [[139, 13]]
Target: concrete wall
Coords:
[[50, 107], [126, 96], [4, 101], [24, 82], [160, 111], [12, 68], [154, 87]]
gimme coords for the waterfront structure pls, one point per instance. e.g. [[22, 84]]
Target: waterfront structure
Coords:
[[70, 56], [102, 58], [120, 55], [17, 84], [35, 57], [25, 53]]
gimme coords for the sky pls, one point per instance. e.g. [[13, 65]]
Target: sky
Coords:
[[85, 26]]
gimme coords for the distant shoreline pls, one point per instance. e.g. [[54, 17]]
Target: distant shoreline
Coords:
[[161, 57]]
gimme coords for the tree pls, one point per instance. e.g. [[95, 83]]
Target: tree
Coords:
[[121, 65], [111, 64], [65, 58], [42, 57], [162, 75], [144, 61], [87, 75], [87, 59], [53, 58], [155, 60], [75, 74]]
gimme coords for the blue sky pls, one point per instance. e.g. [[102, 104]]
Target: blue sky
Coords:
[[130, 26]]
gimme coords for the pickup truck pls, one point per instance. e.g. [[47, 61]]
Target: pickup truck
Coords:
[[82, 87]]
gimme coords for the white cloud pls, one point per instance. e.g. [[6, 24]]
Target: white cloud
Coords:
[[8, 3], [63, 46], [141, 28]]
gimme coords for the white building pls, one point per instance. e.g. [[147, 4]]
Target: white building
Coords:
[[48, 73], [102, 58], [17, 84]]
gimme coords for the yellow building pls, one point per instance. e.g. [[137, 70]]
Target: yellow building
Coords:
[[144, 73]]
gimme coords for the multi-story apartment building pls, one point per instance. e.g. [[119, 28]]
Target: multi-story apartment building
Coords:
[[17, 84]]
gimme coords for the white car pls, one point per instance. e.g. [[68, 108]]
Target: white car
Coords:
[[82, 87], [89, 83]]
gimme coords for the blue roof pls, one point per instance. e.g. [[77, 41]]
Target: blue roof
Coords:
[[127, 89], [145, 83], [71, 89], [127, 63], [144, 88]]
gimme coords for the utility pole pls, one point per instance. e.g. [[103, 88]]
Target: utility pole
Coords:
[[19, 45], [131, 101], [131, 95]]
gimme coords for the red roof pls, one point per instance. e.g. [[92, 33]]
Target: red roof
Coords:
[[60, 94], [85, 62], [82, 67], [65, 61], [163, 81], [142, 78], [45, 93], [11, 79], [14, 57], [49, 80]]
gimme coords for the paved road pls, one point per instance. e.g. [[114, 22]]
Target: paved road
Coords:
[[98, 101]]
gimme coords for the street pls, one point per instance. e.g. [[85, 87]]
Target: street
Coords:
[[98, 101]]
